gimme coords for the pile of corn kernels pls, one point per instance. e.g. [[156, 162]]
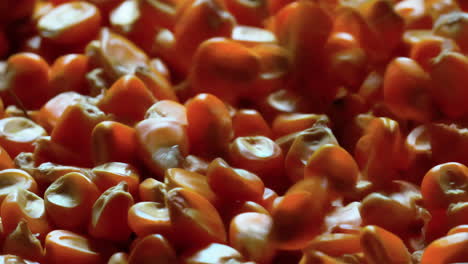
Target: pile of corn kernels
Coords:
[[233, 131]]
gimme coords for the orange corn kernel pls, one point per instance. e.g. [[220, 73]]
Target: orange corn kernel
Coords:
[[449, 71], [296, 28], [407, 90], [445, 184], [381, 246], [346, 60], [109, 214], [15, 179], [167, 110], [191, 213], [249, 122], [118, 258], [146, 218], [70, 23], [414, 13], [127, 99], [200, 21], [335, 244], [209, 125], [112, 173], [21, 242], [448, 249], [115, 54], [453, 25], [192, 181], [234, 184], [21, 204], [351, 23], [383, 135], [70, 197], [382, 19], [336, 165], [113, 141], [152, 248], [17, 134], [152, 190], [214, 254], [68, 73], [249, 234], [65, 246], [162, 144], [74, 129], [226, 69], [50, 113], [297, 217], [48, 172], [285, 124], [407, 214], [21, 70], [274, 67], [293, 27], [303, 145], [259, 155]]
